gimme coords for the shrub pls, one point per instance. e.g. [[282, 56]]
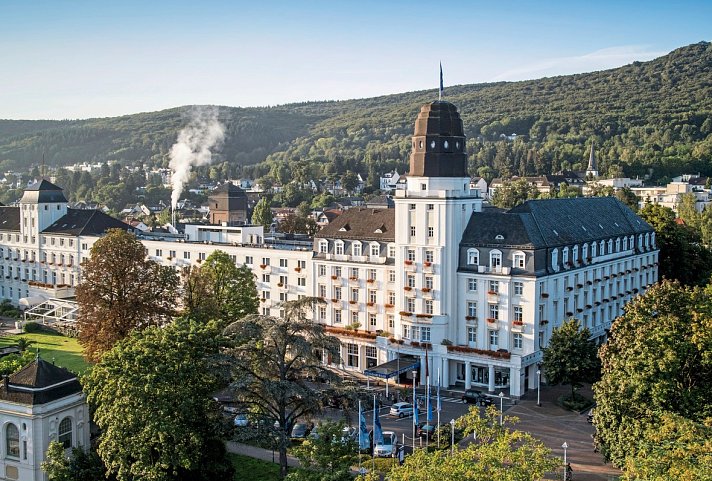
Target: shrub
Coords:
[[31, 327]]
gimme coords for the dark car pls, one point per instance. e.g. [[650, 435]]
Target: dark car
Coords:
[[427, 431], [472, 396], [300, 431]]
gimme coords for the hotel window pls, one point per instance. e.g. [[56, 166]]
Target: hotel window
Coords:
[[372, 296], [473, 257], [494, 287], [322, 270], [354, 273], [428, 306], [323, 247], [493, 338], [425, 334], [471, 335], [186, 255], [584, 251], [372, 320], [391, 322], [336, 271], [494, 311], [201, 256], [356, 249], [265, 261], [337, 316], [371, 274], [565, 255], [410, 304], [429, 256], [411, 206], [430, 206], [337, 293], [517, 340], [406, 331], [519, 261], [354, 317], [371, 356], [610, 246], [322, 313], [391, 251], [283, 263], [322, 290], [391, 276], [428, 282], [159, 253], [352, 355], [518, 288], [391, 298], [555, 259], [472, 284], [375, 250], [12, 441], [339, 248], [410, 255], [472, 309], [593, 249], [354, 295], [575, 252], [412, 231], [410, 281], [517, 313], [431, 232], [495, 259]]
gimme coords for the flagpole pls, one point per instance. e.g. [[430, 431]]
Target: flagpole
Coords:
[[428, 410], [373, 450], [359, 437], [439, 382]]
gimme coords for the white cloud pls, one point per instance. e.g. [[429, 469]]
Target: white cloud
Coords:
[[598, 60]]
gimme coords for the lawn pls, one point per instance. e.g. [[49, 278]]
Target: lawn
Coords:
[[63, 351], [254, 469]]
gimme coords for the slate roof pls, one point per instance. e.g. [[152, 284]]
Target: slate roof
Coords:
[[9, 218], [362, 224], [43, 191], [229, 189], [554, 222], [39, 382], [84, 222]]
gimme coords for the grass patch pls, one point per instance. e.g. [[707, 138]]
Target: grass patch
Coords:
[[578, 403], [253, 469], [64, 351]]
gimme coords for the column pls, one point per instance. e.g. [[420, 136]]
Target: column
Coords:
[[515, 382], [445, 373], [468, 375], [490, 388]]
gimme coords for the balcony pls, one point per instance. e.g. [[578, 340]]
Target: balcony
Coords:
[[428, 267], [410, 266], [491, 320]]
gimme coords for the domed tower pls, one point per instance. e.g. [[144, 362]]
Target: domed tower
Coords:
[[432, 212]]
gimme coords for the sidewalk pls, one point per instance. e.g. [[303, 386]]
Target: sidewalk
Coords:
[[258, 453]]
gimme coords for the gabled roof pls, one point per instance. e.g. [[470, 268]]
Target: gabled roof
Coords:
[[554, 222], [362, 224], [85, 222], [38, 383], [9, 218]]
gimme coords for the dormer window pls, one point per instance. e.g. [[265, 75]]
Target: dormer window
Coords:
[[519, 260], [375, 250], [339, 248], [565, 255], [495, 260], [575, 252], [323, 246], [555, 259], [345, 228], [473, 257], [356, 248], [499, 237]]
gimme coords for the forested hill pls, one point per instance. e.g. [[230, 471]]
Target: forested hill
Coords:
[[647, 117]]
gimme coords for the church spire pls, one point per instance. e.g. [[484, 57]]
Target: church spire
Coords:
[[592, 169]]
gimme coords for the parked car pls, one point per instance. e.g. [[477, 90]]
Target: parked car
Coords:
[[473, 396], [387, 447], [401, 409], [241, 420], [349, 434], [300, 431], [426, 430]]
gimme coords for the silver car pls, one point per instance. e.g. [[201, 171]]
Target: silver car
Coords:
[[387, 447], [401, 410]]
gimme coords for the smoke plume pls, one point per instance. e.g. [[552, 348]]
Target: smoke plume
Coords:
[[193, 147]]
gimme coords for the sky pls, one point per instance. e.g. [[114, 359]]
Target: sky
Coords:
[[62, 59]]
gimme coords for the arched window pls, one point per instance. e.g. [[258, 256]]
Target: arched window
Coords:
[[652, 239], [473, 257], [565, 255], [618, 244], [12, 441], [625, 243], [603, 248], [640, 242], [575, 252], [65, 433], [555, 259], [323, 246], [584, 251], [356, 248], [610, 246], [495, 259], [593, 249], [519, 260]]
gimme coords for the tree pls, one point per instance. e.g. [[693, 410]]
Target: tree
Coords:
[[272, 356], [657, 360], [121, 291], [682, 256], [349, 181], [499, 454], [328, 457], [262, 215], [571, 357], [220, 290], [513, 193], [628, 197], [80, 466], [152, 399]]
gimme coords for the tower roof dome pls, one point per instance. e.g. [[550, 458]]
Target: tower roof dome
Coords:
[[439, 118], [438, 148]]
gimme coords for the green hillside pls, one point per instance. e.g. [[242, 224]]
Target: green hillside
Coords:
[[647, 118]]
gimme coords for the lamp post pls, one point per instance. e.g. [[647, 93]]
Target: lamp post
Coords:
[[452, 435], [538, 387], [501, 408], [565, 446]]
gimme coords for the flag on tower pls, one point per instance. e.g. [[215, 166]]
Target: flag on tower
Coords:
[[440, 93]]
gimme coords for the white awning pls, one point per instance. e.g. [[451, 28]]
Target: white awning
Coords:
[[32, 301]]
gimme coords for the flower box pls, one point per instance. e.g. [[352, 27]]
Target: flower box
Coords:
[[280, 285], [352, 302], [297, 269], [492, 293], [518, 323], [388, 306], [333, 278], [263, 266], [544, 295], [484, 352], [588, 283], [334, 301], [405, 313], [407, 288], [424, 316], [569, 314], [543, 322], [370, 281], [427, 264], [353, 278], [408, 263], [426, 289], [471, 318], [579, 286], [415, 343], [370, 304], [491, 320]]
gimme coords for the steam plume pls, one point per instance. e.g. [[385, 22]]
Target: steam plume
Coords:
[[193, 147]]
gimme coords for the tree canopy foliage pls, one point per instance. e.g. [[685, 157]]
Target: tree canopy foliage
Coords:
[[121, 290], [656, 374], [152, 399], [646, 118]]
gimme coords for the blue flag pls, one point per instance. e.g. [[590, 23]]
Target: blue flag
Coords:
[[363, 441], [430, 408], [377, 430]]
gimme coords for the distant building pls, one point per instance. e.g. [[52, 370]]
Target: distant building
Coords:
[[389, 180], [228, 205], [671, 194], [592, 169]]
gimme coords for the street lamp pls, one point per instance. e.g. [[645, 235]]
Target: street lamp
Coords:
[[565, 446], [501, 407], [452, 435], [538, 387]]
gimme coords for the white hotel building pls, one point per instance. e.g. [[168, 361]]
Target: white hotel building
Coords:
[[480, 289]]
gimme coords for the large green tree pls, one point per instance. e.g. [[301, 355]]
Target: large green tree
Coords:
[[512, 193], [571, 357], [500, 453], [657, 360], [121, 290], [272, 356], [79, 466], [682, 256], [262, 215], [151, 398], [327, 457], [220, 290]]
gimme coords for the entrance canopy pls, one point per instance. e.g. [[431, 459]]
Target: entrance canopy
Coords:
[[394, 368]]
